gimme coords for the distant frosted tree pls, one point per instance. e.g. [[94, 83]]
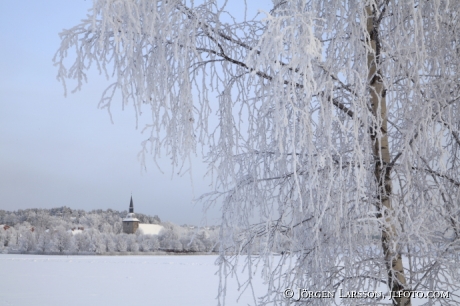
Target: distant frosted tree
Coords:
[[81, 242], [98, 242], [117, 227], [122, 242], [2, 239], [133, 246], [10, 237], [106, 228], [332, 128], [27, 241], [62, 240], [169, 237], [41, 243], [94, 239], [144, 245], [110, 242], [210, 243], [192, 241], [43, 219], [45, 242], [197, 245], [154, 243], [144, 242], [10, 218], [174, 245]]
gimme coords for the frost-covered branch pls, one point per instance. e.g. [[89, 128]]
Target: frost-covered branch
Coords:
[[330, 129]]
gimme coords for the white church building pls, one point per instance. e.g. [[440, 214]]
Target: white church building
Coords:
[[131, 224]]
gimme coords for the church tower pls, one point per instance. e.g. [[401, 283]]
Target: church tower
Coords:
[[130, 223]]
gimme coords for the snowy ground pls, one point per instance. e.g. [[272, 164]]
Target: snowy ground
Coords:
[[117, 280], [110, 280]]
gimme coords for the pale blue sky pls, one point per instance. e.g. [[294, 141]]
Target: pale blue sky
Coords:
[[57, 151]]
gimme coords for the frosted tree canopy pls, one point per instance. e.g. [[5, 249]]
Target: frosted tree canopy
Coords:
[[331, 130]]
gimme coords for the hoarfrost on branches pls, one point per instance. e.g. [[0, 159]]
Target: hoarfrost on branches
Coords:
[[336, 137]]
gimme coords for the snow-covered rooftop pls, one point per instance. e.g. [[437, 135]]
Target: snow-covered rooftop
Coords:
[[131, 217], [150, 229], [76, 231]]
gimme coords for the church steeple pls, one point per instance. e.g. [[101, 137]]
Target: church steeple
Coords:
[[130, 223], [131, 207]]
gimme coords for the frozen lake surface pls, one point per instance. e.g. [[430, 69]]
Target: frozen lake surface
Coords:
[[119, 280], [111, 280]]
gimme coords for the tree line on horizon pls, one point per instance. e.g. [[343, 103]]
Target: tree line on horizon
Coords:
[[63, 230]]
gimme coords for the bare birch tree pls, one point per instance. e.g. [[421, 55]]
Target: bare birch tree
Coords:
[[335, 134]]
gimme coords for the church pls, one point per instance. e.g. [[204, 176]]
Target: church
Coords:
[[131, 224]]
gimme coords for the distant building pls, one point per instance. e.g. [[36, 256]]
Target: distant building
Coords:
[[4, 226], [130, 223], [76, 230], [150, 229]]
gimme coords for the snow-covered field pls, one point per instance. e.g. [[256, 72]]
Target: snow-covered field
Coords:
[[118, 280], [111, 280]]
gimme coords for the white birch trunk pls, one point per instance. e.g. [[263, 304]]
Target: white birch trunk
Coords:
[[309, 100], [381, 150]]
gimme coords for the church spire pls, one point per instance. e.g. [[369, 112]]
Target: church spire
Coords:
[[130, 223], [131, 207]]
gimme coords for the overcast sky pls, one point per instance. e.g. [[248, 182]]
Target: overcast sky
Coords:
[[57, 151]]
